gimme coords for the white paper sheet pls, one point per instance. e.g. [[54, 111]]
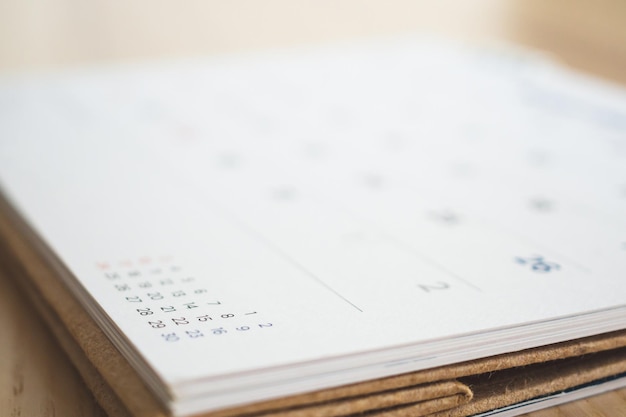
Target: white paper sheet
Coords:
[[253, 226]]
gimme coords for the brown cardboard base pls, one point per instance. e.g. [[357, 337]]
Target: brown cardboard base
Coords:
[[499, 389], [454, 390]]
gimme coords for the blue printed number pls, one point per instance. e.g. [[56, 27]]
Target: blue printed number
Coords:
[[538, 264]]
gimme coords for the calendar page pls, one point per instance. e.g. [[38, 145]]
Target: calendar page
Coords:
[[248, 227]]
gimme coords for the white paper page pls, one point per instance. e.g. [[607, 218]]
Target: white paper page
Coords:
[[257, 212]]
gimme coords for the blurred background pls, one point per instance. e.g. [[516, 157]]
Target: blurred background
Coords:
[[587, 34]]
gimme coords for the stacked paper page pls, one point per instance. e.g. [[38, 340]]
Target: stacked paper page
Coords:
[[250, 227]]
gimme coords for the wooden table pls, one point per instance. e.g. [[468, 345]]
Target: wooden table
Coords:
[[36, 378]]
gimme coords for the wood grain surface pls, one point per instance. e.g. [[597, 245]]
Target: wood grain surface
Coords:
[[36, 379]]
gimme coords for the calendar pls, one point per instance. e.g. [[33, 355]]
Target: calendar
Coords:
[[247, 227]]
